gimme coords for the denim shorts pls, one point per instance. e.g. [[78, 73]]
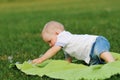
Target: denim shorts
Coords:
[[101, 45]]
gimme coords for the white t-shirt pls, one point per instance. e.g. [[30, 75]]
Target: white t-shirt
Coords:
[[78, 46]]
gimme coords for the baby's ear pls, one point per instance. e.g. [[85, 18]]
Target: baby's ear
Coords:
[[57, 32]]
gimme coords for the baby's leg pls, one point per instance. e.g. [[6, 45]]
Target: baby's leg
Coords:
[[107, 57]]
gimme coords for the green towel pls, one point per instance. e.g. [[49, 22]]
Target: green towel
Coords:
[[59, 69]]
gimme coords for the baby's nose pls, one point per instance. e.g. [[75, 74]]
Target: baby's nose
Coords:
[[50, 45]]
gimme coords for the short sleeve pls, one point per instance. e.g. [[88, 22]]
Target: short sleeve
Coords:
[[63, 39]]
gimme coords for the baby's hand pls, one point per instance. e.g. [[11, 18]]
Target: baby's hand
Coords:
[[37, 61]]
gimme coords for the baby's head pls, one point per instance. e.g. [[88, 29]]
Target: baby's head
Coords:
[[51, 30]]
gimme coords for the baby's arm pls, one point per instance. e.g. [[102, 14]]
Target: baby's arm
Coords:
[[68, 57], [51, 52]]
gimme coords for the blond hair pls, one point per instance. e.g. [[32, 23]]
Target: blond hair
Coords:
[[52, 26]]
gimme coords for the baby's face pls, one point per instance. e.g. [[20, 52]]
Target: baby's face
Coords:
[[50, 39]]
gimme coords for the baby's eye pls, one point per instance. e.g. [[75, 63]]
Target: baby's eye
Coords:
[[49, 41]]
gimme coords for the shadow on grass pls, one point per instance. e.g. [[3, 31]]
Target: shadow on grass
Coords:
[[114, 77]]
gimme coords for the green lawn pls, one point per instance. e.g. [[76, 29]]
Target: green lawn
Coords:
[[22, 20]]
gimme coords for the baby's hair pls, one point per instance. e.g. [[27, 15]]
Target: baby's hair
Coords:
[[50, 28], [53, 25]]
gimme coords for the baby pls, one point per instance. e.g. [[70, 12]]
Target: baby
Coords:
[[92, 49]]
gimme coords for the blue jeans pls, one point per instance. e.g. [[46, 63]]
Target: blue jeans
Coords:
[[101, 45]]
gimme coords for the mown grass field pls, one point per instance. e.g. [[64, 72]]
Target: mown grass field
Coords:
[[22, 20]]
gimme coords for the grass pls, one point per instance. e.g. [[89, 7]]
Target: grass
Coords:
[[22, 21]]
